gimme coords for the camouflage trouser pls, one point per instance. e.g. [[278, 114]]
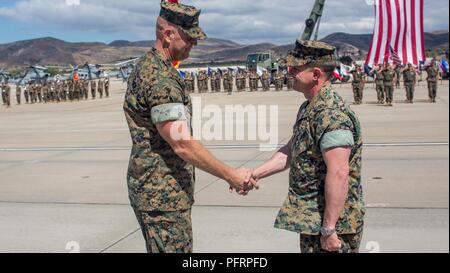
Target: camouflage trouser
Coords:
[[350, 243], [93, 93], [166, 232], [3, 98], [27, 96], [432, 89], [107, 91], [389, 91], [409, 91], [380, 93], [18, 97]]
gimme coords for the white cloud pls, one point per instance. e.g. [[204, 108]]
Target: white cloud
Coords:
[[278, 21]]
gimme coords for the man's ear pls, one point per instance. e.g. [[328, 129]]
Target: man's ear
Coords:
[[317, 73], [168, 35]]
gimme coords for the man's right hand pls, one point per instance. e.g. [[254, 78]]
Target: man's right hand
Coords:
[[242, 181]]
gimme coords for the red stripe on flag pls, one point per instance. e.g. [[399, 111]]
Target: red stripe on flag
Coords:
[[389, 33], [398, 18], [380, 31], [405, 37], [413, 31], [424, 56]]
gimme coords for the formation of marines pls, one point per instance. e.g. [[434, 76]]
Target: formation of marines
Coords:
[[241, 80], [56, 91], [387, 78]]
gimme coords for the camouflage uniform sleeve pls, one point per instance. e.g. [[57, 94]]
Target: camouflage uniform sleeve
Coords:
[[334, 129], [166, 102]]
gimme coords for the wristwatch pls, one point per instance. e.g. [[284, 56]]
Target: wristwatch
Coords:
[[327, 231]]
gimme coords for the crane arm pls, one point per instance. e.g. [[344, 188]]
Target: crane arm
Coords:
[[313, 20]]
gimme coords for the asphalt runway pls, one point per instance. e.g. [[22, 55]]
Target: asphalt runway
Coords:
[[63, 177]]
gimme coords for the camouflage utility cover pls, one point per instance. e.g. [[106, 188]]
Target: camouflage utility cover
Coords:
[[184, 16], [306, 52]]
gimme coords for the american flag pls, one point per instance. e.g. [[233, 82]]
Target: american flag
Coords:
[[394, 56], [398, 31]]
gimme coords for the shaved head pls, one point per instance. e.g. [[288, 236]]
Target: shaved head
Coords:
[[172, 40]]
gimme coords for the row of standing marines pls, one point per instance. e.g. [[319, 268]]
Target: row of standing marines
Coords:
[[387, 78], [215, 81], [56, 91]]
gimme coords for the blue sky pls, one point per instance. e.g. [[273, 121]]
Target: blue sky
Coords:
[[279, 22]]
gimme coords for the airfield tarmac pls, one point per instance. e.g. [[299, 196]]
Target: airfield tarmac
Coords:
[[63, 178]]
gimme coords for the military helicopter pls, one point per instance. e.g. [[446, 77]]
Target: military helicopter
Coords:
[[88, 71], [4, 76], [125, 67], [34, 73]]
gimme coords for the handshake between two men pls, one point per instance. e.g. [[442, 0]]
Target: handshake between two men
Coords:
[[246, 183], [243, 180]]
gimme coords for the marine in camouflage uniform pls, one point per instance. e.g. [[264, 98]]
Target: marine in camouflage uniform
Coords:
[[230, 78], [358, 84], [86, 89], [218, 79], [379, 84], [71, 90], [64, 90], [26, 93], [388, 76], [3, 94], [254, 79], [432, 79], [18, 93], [160, 183], [202, 85], [6, 94], [324, 123], [188, 82], [215, 82], [409, 76], [240, 81], [398, 75], [32, 92], [45, 92], [106, 87], [290, 83], [265, 79], [51, 92], [101, 88], [93, 89], [279, 81]]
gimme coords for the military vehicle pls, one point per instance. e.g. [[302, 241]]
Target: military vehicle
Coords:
[[263, 60]]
